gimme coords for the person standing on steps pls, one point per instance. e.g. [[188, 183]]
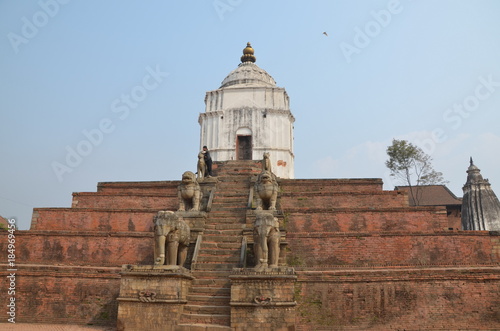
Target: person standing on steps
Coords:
[[208, 161]]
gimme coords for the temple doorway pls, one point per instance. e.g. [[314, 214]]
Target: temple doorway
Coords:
[[244, 148]]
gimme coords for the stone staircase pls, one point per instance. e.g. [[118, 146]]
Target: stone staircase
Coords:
[[208, 300]]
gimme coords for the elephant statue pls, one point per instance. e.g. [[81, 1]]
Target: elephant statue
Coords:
[[172, 236], [266, 191], [266, 237], [189, 193]]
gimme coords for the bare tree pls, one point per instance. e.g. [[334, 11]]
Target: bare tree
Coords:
[[410, 165]]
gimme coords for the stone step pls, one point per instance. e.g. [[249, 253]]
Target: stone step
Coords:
[[219, 252], [213, 300], [206, 319], [224, 245], [234, 211], [233, 191], [221, 238], [203, 309], [204, 258], [238, 171], [215, 266], [228, 200], [210, 291], [211, 282], [211, 274], [242, 180], [230, 204], [236, 182], [233, 222], [202, 327], [231, 194], [225, 232], [229, 220], [230, 207], [225, 216], [228, 226]]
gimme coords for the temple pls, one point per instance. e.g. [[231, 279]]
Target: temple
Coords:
[[480, 205], [253, 248], [247, 116]]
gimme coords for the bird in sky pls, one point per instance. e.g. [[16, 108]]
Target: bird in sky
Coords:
[[326, 34]]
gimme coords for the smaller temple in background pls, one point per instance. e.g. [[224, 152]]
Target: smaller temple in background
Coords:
[[480, 205]]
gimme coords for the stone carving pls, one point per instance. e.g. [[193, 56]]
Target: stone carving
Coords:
[[171, 238], [147, 296], [266, 191], [266, 237], [189, 192], [266, 162], [201, 167], [261, 300]]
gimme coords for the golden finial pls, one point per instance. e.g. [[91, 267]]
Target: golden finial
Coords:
[[248, 54]]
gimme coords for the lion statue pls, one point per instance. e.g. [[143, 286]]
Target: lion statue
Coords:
[[266, 191], [189, 193]]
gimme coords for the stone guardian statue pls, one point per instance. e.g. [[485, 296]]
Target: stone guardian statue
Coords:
[[266, 237], [201, 168], [266, 191], [266, 162], [189, 193], [172, 236]]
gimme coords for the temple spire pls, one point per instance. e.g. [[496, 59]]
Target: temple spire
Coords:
[[248, 54], [480, 205]]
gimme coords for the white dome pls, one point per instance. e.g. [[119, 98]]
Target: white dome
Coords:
[[248, 74]]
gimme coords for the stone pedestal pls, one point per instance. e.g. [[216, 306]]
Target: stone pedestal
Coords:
[[263, 300], [152, 297]]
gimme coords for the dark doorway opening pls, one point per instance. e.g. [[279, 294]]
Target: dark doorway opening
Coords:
[[244, 148]]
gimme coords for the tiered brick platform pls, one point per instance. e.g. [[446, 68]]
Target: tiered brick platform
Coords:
[[364, 259]]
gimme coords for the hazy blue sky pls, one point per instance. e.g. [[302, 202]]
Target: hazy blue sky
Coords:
[[423, 70]]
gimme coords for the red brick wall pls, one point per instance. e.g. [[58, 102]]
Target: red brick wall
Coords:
[[404, 299], [125, 201], [74, 295], [82, 248], [331, 185], [329, 222], [164, 187], [453, 248], [87, 219], [305, 201], [365, 220]]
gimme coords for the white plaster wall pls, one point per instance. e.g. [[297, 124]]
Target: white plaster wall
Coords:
[[264, 110]]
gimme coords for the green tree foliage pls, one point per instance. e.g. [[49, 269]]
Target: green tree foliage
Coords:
[[411, 166]]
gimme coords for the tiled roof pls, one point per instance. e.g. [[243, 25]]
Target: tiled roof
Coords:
[[431, 195]]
